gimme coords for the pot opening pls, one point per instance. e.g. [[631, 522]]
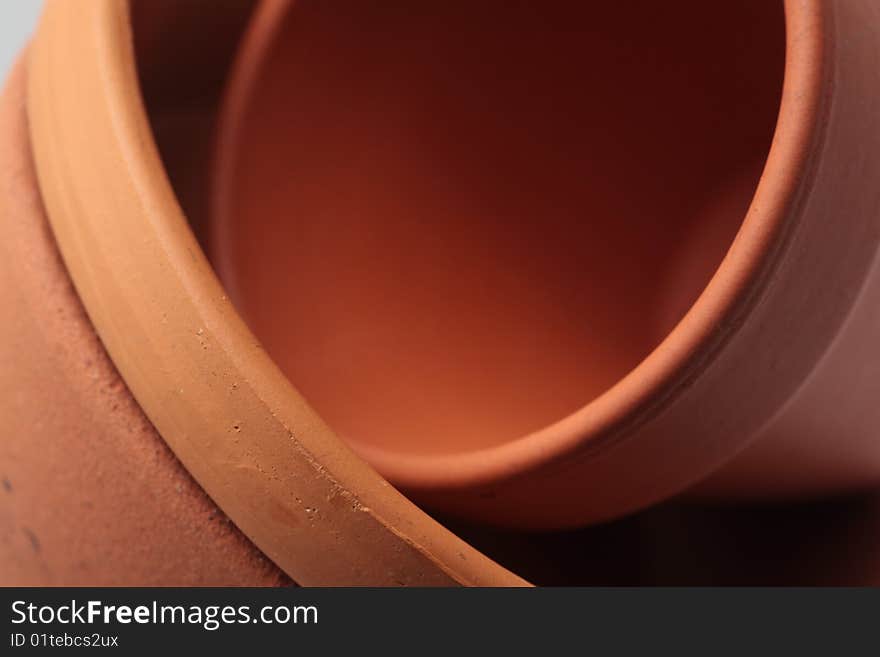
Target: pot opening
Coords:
[[453, 224]]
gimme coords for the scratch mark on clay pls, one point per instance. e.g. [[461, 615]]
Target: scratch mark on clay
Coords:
[[35, 542]]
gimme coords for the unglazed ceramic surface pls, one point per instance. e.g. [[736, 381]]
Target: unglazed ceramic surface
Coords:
[[91, 494]]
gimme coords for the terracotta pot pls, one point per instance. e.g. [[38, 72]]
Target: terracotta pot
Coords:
[[546, 265], [91, 493]]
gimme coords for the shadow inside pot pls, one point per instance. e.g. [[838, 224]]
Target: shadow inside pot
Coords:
[[827, 543], [182, 81]]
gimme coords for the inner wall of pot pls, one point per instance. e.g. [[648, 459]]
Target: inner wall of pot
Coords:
[[453, 224]]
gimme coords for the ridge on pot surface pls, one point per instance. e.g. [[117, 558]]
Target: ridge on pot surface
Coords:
[[205, 383]]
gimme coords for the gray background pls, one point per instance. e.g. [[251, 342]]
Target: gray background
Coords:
[[17, 20]]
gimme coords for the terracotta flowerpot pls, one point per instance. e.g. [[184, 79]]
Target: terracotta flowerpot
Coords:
[[91, 494], [122, 345], [549, 264]]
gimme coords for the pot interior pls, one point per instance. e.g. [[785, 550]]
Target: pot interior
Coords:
[[819, 544], [453, 224]]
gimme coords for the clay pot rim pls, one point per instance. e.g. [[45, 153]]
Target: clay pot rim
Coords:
[[685, 352], [287, 482]]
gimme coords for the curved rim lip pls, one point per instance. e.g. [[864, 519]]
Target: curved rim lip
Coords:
[[397, 531], [682, 355]]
